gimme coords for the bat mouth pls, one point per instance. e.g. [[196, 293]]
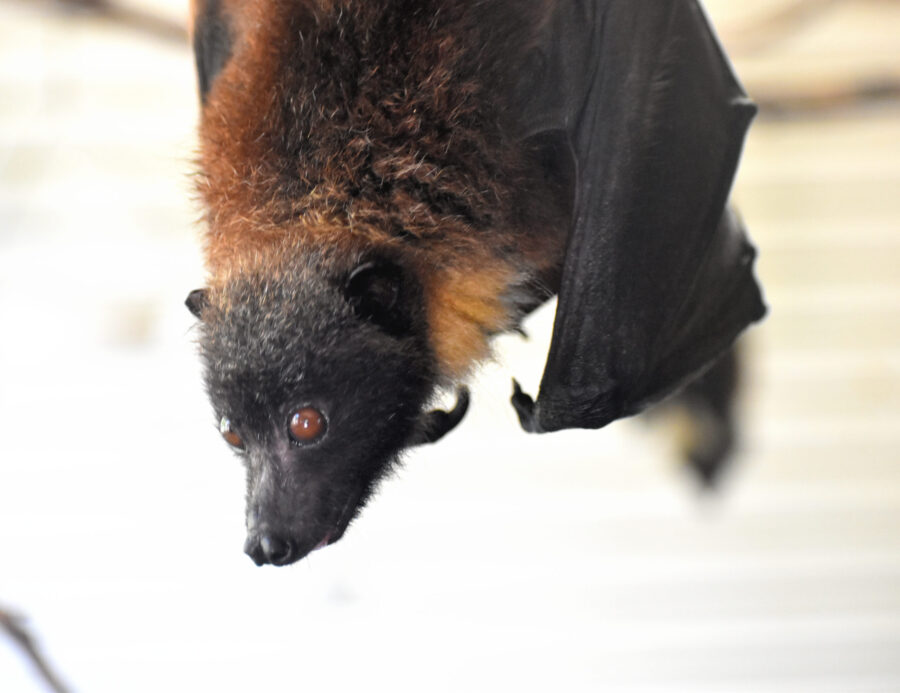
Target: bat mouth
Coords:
[[348, 512]]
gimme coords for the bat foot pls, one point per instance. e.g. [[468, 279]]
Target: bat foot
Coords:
[[710, 454], [526, 409], [437, 423], [709, 405]]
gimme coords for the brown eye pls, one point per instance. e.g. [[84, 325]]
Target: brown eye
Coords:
[[232, 438], [306, 425]]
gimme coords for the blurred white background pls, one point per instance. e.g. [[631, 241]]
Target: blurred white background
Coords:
[[579, 561]]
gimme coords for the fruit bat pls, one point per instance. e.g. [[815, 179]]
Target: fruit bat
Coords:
[[388, 184]]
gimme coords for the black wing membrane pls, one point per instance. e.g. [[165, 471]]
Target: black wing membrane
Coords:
[[658, 279]]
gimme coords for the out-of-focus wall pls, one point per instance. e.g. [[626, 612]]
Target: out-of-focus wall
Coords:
[[580, 561]]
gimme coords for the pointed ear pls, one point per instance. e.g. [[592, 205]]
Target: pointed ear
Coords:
[[375, 291], [212, 42], [196, 301]]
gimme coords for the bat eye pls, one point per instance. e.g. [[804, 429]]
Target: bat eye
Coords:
[[306, 425], [228, 433]]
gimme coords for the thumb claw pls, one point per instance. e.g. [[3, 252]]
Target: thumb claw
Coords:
[[437, 423], [526, 409]]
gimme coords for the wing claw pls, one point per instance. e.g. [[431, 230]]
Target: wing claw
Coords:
[[524, 405]]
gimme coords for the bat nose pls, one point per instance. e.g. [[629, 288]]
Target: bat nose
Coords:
[[268, 547], [277, 550]]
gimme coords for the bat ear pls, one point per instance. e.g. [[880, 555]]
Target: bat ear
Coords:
[[375, 292], [196, 301], [212, 42]]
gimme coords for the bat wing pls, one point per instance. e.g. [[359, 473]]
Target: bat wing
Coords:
[[657, 280]]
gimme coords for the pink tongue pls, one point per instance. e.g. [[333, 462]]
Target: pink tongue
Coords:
[[323, 543]]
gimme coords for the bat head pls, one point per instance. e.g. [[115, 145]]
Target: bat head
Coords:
[[318, 377]]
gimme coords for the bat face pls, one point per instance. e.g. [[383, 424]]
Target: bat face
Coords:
[[318, 381]]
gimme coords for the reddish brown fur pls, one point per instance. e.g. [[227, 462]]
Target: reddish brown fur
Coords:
[[306, 145]]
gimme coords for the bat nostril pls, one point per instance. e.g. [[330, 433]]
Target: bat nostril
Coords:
[[276, 550]]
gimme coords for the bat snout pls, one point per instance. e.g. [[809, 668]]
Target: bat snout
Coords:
[[283, 528]]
